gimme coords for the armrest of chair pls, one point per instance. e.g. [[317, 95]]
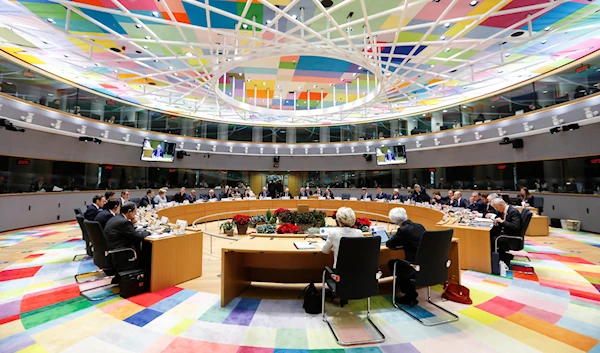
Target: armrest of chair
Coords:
[[415, 266], [507, 237], [331, 274], [122, 250]]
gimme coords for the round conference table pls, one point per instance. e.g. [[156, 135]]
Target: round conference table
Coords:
[[276, 259]]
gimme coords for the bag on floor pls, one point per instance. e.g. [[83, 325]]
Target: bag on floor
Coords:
[[312, 299], [456, 292], [134, 282]]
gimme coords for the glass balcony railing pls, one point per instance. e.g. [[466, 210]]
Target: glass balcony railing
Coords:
[[566, 85]]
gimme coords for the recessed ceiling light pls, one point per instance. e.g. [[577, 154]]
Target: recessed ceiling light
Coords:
[[170, 67], [155, 13], [544, 41], [97, 64], [264, 83], [447, 24], [360, 68], [66, 56], [50, 20], [148, 37], [315, 86], [547, 28], [278, 86], [432, 65], [189, 54], [240, 74], [507, 55], [155, 60], [501, 71], [354, 74], [464, 106], [388, 74], [137, 25], [299, 87], [445, 111], [244, 26], [268, 21], [544, 92], [175, 74], [249, 80], [145, 47], [331, 84], [295, 17], [473, 3], [443, 37], [447, 49], [342, 80]]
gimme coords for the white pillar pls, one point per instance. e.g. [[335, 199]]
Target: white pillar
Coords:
[[257, 134], [324, 134], [411, 123], [223, 131], [436, 117], [290, 135]]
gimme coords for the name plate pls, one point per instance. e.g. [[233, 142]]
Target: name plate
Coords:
[[303, 198], [285, 197], [353, 199], [337, 198]]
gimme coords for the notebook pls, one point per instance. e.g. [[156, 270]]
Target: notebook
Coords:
[[304, 245]]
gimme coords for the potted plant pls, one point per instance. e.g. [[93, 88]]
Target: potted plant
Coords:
[[266, 228], [363, 224], [227, 227], [278, 212], [259, 219], [305, 220], [241, 221], [288, 228], [319, 218], [286, 216]]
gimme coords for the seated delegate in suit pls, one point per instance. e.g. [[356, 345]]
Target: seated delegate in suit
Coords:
[[525, 197], [449, 200], [148, 199], [459, 201], [192, 196], [161, 197], [180, 196], [225, 192], [408, 236], [211, 195], [158, 152], [92, 210], [124, 196], [249, 193], [389, 156], [303, 193], [396, 195], [328, 194], [264, 193], [437, 198], [345, 219], [508, 222], [318, 191], [477, 205], [365, 195], [120, 233], [39, 186], [114, 208], [236, 192], [287, 193], [419, 195], [380, 194]]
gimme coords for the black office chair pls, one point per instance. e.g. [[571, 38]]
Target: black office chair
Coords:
[[345, 196], [538, 202], [77, 211], [356, 277], [170, 198], [88, 245], [518, 242], [136, 200], [102, 259], [431, 268]]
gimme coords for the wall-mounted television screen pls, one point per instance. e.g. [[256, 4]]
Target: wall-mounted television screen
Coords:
[[391, 155], [158, 151]]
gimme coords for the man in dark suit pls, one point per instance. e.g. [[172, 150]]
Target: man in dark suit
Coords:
[[264, 193], [365, 195], [380, 194], [419, 195], [92, 210], [39, 185], [147, 200], [120, 233], [211, 195], [408, 237], [396, 195], [180, 196], [224, 193], [192, 196], [508, 223], [287, 193], [328, 194], [448, 200], [477, 205], [459, 201], [109, 195], [318, 191], [303, 193], [114, 208]]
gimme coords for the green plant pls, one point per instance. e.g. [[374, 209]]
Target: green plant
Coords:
[[272, 220], [364, 229], [259, 218], [269, 214], [313, 231], [266, 229], [305, 218], [287, 217], [227, 226]]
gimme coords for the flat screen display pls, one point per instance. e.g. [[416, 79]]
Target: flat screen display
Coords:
[[158, 151], [391, 155]]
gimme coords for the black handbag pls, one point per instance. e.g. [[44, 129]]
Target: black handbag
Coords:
[[134, 283]]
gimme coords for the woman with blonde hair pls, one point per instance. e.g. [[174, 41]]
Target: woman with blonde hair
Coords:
[[345, 219], [161, 197]]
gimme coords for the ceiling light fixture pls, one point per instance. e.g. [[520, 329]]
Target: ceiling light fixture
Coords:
[[155, 13], [360, 67], [145, 46], [447, 24], [295, 17], [547, 28], [137, 25], [443, 37], [50, 20], [244, 26], [148, 37], [544, 41], [189, 54], [447, 49], [473, 3], [170, 67]]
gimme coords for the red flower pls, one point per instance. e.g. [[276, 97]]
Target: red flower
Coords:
[[287, 228], [362, 222], [279, 211], [240, 219], [334, 214]]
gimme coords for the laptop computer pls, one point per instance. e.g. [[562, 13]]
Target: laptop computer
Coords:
[[379, 231]]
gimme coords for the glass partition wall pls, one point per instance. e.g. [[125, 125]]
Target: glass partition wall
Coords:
[[573, 83], [576, 175]]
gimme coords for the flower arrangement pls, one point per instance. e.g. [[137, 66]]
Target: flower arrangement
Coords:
[[287, 216], [279, 211], [266, 228], [258, 219], [319, 218], [363, 224], [227, 226], [288, 228], [240, 219], [307, 218]]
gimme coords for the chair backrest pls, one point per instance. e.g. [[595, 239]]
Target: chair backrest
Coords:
[[538, 202], [77, 211], [432, 257], [80, 220], [136, 200], [169, 198], [345, 196], [94, 230], [357, 266], [525, 220]]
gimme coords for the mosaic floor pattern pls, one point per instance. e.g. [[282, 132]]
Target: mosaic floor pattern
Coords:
[[19, 236], [557, 309]]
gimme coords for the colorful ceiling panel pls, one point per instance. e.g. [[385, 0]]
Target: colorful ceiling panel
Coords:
[[296, 62]]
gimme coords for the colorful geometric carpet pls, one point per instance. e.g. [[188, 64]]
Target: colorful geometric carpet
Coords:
[[16, 237], [582, 237], [555, 310]]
